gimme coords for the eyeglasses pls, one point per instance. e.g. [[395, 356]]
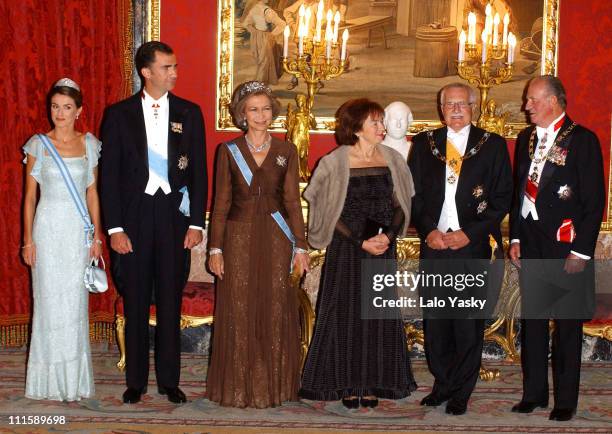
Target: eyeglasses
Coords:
[[461, 105]]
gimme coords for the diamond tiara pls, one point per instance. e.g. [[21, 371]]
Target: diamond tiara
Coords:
[[66, 82], [253, 86]]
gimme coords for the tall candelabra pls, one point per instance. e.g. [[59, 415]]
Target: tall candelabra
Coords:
[[487, 63], [315, 61]]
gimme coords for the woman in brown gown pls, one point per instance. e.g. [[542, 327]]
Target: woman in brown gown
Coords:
[[256, 344]]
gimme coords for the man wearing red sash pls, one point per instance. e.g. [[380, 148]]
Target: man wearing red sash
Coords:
[[554, 223]]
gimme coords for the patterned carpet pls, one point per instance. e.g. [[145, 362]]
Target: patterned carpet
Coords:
[[489, 409]]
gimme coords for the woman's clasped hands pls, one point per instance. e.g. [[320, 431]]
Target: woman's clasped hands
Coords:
[[376, 245]]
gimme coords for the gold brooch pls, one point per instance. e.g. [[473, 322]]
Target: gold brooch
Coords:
[[481, 207], [281, 161], [565, 192], [176, 127], [183, 162], [478, 191]]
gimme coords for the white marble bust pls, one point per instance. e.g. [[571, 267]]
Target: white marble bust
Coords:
[[398, 118]]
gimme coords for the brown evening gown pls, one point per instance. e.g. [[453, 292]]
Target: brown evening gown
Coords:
[[255, 359]]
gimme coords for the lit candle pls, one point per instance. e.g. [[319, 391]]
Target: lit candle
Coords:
[[484, 46], [328, 25], [511, 46], [307, 23], [472, 28], [506, 22], [301, 32], [345, 37], [286, 41], [495, 29], [319, 21], [461, 46], [328, 40], [336, 24], [489, 19]]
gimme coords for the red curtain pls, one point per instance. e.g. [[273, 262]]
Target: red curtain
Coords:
[[40, 42]]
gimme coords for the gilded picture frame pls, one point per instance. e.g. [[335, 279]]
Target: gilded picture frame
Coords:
[[234, 58]]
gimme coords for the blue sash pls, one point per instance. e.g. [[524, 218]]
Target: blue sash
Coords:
[[248, 177], [184, 206], [282, 223], [241, 162], [81, 208]]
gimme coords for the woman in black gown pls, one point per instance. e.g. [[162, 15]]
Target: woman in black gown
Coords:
[[358, 183]]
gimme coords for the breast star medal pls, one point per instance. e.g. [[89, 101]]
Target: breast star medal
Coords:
[[183, 162], [564, 192], [478, 191], [482, 206], [281, 161]]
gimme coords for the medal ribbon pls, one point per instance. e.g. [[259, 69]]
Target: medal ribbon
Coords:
[[566, 232], [453, 157]]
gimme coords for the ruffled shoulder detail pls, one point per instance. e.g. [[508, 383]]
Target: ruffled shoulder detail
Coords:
[[93, 148], [35, 148]]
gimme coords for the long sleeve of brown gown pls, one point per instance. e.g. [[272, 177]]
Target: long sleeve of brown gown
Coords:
[[223, 198]]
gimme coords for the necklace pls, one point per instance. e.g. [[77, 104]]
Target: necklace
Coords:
[[453, 163], [541, 156], [260, 148]]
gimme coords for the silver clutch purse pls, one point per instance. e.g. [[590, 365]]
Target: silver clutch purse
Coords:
[[95, 277]]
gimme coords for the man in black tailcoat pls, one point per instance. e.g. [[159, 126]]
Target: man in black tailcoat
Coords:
[[554, 223], [463, 182], [153, 191]]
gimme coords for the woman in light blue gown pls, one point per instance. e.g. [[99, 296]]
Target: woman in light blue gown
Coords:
[[55, 247]]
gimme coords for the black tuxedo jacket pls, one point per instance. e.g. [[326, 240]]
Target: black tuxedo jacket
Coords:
[[582, 174], [124, 171], [484, 190]]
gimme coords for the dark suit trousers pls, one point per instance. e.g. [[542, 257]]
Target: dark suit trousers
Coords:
[[156, 264], [566, 341], [453, 346]]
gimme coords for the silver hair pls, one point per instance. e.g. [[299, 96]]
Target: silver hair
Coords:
[[66, 82], [469, 89]]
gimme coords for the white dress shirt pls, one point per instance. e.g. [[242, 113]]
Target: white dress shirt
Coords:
[[539, 154], [156, 125], [449, 219]]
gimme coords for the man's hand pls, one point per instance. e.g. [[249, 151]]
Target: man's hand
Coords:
[[121, 243], [193, 237], [514, 252], [456, 240], [574, 264], [435, 240]]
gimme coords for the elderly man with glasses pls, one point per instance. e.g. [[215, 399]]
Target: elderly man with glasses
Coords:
[[463, 184]]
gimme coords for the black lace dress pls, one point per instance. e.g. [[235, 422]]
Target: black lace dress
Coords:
[[348, 355]]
